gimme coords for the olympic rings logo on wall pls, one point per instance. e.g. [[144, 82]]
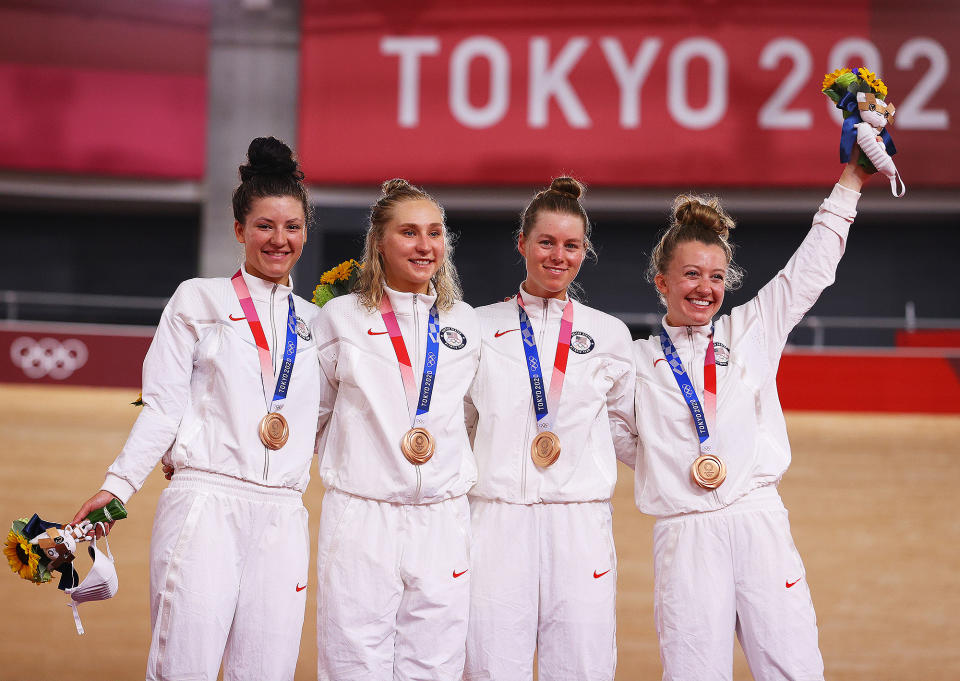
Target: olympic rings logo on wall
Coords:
[[48, 356]]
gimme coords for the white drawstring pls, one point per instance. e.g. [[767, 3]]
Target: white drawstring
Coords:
[[76, 617], [893, 185]]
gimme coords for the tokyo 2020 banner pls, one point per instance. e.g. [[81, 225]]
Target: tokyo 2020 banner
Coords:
[[619, 94]]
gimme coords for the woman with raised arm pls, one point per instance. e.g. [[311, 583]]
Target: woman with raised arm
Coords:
[[231, 391], [713, 446], [397, 357], [546, 441]]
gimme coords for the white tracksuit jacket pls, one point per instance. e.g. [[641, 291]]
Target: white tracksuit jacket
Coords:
[[595, 418], [203, 396], [204, 401], [394, 538], [543, 561], [363, 407], [751, 433]]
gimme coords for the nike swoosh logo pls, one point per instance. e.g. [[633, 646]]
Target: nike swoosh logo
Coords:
[[662, 359], [596, 576], [371, 332], [789, 584], [500, 333], [459, 574], [301, 588], [236, 319]]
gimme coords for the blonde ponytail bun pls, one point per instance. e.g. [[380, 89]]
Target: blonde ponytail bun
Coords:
[[393, 186], [690, 210]]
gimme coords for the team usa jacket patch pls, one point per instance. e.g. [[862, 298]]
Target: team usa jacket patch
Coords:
[[303, 329], [453, 338], [721, 353], [581, 342]]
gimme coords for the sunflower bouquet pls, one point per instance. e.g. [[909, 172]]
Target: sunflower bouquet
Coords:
[[860, 96], [336, 282], [36, 548]]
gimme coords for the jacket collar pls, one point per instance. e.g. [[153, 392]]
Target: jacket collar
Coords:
[[260, 289], [536, 304], [678, 331], [402, 301]]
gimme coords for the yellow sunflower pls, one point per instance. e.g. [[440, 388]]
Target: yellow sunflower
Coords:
[[873, 81], [21, 557], [339, 273], [831, 78]]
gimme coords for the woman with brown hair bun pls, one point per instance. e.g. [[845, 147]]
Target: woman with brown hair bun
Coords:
[[230, 392], [397, 356], [713, 446], [546, 441]]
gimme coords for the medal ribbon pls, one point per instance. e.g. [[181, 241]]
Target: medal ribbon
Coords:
[[430, 361], [546, 407], [256, 328], [703, 418]]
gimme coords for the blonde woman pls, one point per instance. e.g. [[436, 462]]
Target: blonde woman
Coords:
[[397, 357], [713, 446]]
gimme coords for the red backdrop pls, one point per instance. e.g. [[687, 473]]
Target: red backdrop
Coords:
[[616, 93], [102, 94]]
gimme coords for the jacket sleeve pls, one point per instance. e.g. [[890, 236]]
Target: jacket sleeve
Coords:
[[328, 352], [167, 369], [620, 400], [470, 413], [781, 304]]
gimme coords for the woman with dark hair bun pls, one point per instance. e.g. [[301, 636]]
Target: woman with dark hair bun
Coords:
[[397, 356], [713, 446], [547, 442], [231, 388]]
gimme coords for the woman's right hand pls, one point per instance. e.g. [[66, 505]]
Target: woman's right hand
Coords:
[[853, 176], [98, 500]]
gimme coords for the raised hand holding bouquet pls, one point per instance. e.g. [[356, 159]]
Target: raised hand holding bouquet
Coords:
[[861, 96]]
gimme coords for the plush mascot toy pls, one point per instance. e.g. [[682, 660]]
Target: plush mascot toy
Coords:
[[861, 97], [35, 548]]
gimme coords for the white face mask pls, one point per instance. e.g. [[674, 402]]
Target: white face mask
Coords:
[[100, 583]]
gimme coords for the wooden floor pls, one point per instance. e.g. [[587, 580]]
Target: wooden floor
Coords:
[[871, 506]]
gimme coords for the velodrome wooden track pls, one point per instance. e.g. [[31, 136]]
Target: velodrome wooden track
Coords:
[[872, 502]]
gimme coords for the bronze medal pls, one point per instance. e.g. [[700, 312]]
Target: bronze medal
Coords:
[[274, 431], [545, 449], [418, 445], [708, 471]]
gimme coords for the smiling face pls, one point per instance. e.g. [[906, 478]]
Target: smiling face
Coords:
[[693, 284], [272, 234], [412, 245], [554, 250]]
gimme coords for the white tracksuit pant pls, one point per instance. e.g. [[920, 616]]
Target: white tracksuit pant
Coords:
[[733, 568], [228, 577], [393, 589], [544, 578]]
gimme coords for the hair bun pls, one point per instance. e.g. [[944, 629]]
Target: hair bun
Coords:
[[393, 186], [269, 156], [705, 212], [567, 185]]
